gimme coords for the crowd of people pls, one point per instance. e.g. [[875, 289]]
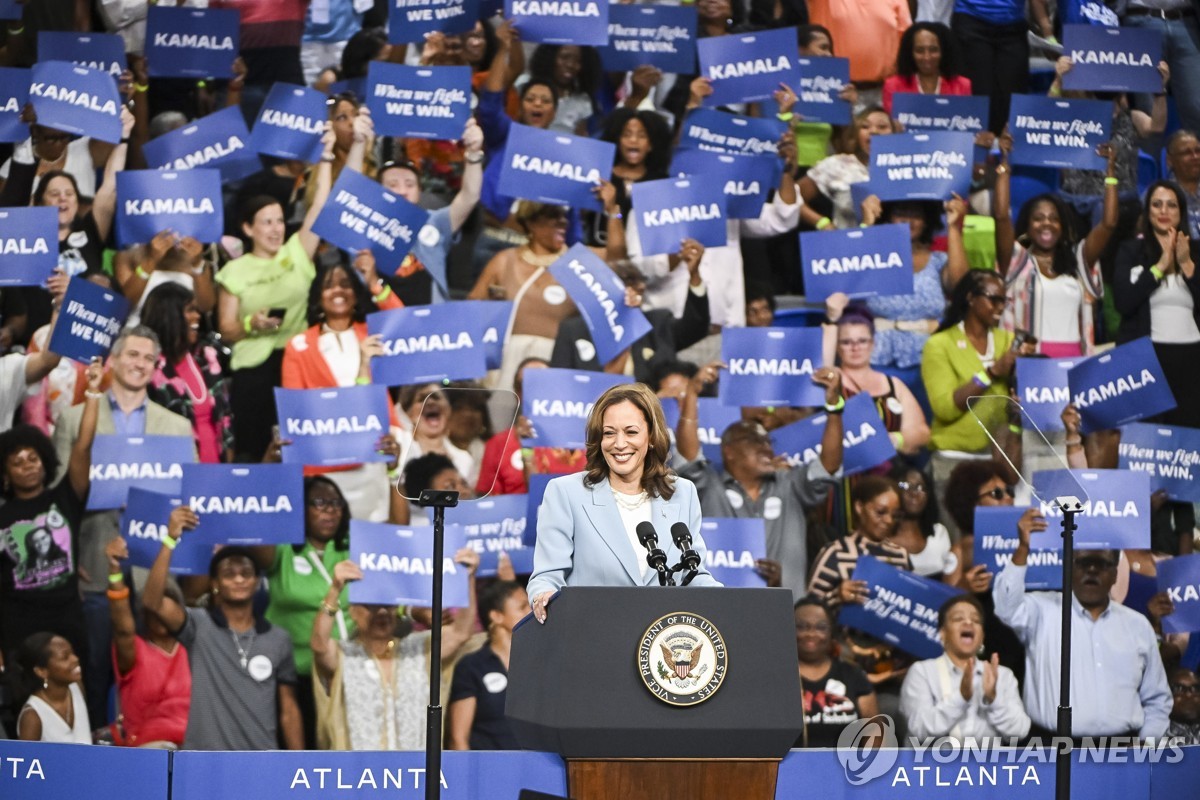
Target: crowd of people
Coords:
[[267, 651]]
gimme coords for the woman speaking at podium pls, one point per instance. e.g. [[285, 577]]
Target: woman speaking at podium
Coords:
[[587, 524]]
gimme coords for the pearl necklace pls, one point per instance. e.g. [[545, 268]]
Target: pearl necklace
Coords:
[[630, 502]]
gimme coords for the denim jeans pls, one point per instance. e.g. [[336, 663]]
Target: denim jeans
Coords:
[[1181, 51]]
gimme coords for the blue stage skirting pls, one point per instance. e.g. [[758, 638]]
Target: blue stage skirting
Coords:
[[32, 771]]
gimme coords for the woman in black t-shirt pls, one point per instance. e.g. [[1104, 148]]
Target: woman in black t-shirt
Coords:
[[39, 530], [835, 692]]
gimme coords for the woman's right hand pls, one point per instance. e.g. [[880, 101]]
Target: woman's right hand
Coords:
[[259, 321], [344, 572], [1002, 367], [707, 375], [966, 686], [872, 209], [850, 591], [835, 304], [699, 89], [94, 375], [1166, 241], [116, 551], [1071, 421], [539, 606]]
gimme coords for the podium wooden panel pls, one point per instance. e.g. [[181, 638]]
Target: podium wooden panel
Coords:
[[653, 779]]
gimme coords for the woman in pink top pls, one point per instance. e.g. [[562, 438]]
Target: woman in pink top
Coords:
[[927, 63]]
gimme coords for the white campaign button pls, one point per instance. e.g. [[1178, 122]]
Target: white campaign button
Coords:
[[495, 682], [735, 499], [260, 668], [555, 295], [772, 508]]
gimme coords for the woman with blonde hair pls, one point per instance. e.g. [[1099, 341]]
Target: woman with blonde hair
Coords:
[[587, 525]]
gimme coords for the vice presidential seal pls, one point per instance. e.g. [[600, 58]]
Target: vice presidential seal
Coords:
[[682, 659]]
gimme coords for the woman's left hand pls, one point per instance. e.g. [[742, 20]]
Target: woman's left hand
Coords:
[[771, 570], [469, 558], [126, 122], [388, 445], [363, 125], [606, 193], [328, 140], [991, 674], [1183, 254], [786, 98], [95, 374], [364, 265], [539, 606], [831, 379]]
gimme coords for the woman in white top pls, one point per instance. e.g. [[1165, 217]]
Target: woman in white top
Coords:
[[1157, 292], [960, 694], [55, 710], [918, 531]]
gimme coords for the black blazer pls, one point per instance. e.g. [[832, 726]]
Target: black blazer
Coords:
[[1133, 283]]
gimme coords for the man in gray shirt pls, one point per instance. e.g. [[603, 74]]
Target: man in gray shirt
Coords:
[[243, 673], [750, 483]]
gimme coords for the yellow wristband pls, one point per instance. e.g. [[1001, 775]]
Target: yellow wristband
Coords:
[[362, 381], [116, 577], [785, 116], [823, 223], [1014, 428], [1156, 272], [141, 88], [379, 298], [170, 542], [141, 273], [246, 323], [1110, 181]]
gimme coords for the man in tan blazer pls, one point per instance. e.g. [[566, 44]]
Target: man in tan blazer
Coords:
[[126, 410]]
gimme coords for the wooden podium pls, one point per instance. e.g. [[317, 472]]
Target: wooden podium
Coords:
[[575, 688]]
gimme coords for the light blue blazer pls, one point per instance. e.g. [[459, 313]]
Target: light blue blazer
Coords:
[[581, 540]]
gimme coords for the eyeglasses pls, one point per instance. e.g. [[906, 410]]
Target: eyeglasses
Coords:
[[815, 627], [915, 488], [998, 493], [324, 503], [996, 299], [1185, 688], [853, 342], [1098, 563]]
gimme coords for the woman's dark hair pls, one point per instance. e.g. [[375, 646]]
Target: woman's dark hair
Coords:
[[762, 13], [1064, 249], [871, 486], [969, 599], [1151, 249], [815, 602], [55, 553], [363, 303], [969, 285], [341, 537], [536, 81], [163, 313], [961, 493], [254, 205], [542, 63], [489, 47], [494, 597], [858, 315], [906, 65], [930, 211], [760, 291], [23, 437], [39, 194], [420, 472], [929, 517], [360, 51], [806, 33], [658, 480], [33, 653], [658, 160], [475, 399]]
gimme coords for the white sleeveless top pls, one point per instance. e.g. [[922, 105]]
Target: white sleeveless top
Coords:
[[54, 727]]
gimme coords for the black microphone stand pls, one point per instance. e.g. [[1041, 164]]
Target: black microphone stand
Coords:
[[1070, 506], [439, 501]]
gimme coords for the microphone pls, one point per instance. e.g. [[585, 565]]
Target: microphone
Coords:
[[683, 540], [655, 557]]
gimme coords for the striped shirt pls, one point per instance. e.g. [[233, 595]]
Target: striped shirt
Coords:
[[836, 562]]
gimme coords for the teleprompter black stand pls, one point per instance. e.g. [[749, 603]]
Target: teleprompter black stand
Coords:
[[1070, 506], [439, 501]]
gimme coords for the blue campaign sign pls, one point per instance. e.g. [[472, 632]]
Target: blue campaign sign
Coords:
[[424, 344], [411, 21], [220, 141], [937, 112], [821, 82], [713, 418], [104, 52], [670, 407], [536, 484], [90, 319], [37, 770], [290, 123], [28, 244], [332, 427], [671, 210], [709, 129], [353, 775], [771, 367], [493, 315], [153, 463], [554, 167], [1116, 511], [661, 36], [744, 67], [1122, 385], [1042, 389], [1112, 59], [11, 9], [362, 215], [1166, 454], [745, 179], [1179, 577], [902, 607], [150, 201], [1053, 132], [996, 540], [731, 548], [865, 441], [557, 403], [397, 565], [492, 526], [14, 94], [922, 166], [582, 22], [600, 296], [144, 524], [246, 503], [192, 42], [75, 99], [862, 262], [421, 102]]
